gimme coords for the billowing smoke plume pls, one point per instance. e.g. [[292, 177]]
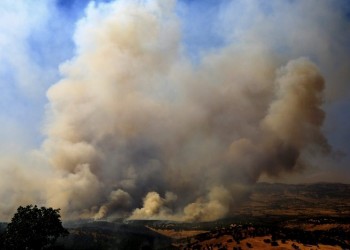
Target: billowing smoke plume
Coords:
[[135, 129], [156, 117]]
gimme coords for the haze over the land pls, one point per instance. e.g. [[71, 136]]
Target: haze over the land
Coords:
[[166, 109]]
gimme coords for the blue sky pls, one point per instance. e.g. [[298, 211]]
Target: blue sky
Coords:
[[42, 46]]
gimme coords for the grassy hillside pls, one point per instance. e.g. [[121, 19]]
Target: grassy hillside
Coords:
[[278, 216]]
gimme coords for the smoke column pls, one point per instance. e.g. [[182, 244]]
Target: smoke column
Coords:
[[135, 129]]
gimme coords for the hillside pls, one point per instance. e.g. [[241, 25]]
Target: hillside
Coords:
[[278, 216], [296, 200]]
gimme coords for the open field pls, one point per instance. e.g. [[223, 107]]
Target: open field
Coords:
[[226, 242], [177, 234], [297, 200], [278, 236]]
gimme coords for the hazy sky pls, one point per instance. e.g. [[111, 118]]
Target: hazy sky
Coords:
[[117, 96]]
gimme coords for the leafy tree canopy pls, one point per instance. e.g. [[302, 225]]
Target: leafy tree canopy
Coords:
[[34, 228]]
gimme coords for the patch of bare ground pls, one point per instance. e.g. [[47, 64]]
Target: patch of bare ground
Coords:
[[226, 242], [177, 234]]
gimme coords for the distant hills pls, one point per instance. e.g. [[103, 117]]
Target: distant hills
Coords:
[[302, 199]]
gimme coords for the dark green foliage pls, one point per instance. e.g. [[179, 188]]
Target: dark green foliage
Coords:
[[33, 228], [1, 239]]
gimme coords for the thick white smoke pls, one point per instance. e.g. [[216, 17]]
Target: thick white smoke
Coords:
[[135, 129]]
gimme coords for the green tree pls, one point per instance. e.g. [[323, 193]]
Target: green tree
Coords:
[[34, 228]]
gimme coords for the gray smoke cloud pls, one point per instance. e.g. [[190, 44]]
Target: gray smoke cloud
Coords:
[[134, 129], [141, 127]]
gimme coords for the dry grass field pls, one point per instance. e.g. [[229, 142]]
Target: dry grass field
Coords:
[[178, 234], [320, 199], [257, 243]]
